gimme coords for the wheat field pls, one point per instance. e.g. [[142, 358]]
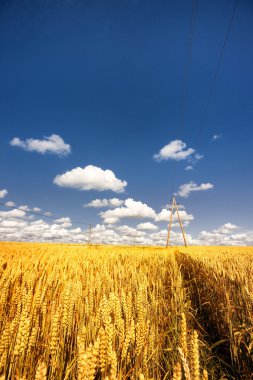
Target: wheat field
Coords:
[[106, 312]]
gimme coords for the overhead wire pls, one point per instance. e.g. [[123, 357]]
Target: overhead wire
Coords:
[[88, 232], [186, 74], [217, 69], [186, 79], [182, 102], [212, 85], [41, 214]]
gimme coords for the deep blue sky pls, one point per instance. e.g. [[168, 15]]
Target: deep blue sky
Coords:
[[107, 77]]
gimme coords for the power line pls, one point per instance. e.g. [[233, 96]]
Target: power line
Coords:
[[187, 65], [92, 235], [42, 215], [211, 88], [89, 232], [186, 73], [210, 92]]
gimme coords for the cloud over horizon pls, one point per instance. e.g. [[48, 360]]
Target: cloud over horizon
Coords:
[[131, 209], [164, 216], [17, 225], [148, 226]]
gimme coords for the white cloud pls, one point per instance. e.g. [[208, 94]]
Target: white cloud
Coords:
[[52, 144], [138, 210], [12, 223], [37, 209], [160, 238], [175, 150], [10, 203], [39, 230], [12, 214], [20, 211], [179, 206], [189, 167], [47, 213], [99, 203], [216, 137], [111, 220], [115, 202], [230, 226], [64, 222], [226, 228], [241, 237], [187, 188], [198, 156], [3, 193], [147, 226], [131, 209], [226, 235], [16, 226], [91, 178], [129, 231], [164, 216], [24, 208]]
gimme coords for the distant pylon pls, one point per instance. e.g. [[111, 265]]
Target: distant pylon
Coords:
[[89, 236], [175, 205]]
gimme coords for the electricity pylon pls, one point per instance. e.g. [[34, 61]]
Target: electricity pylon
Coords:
[[89, 234], [174, 205]]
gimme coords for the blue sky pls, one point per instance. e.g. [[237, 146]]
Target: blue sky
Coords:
[[106, 76]]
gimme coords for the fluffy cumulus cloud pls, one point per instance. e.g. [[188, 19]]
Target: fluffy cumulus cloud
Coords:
[[164, 216], [179, 206], [24, 208], [10, 204], [64, 222], [129, 231], [12, 214], [227, 228], [3, 193], [227, 234], [131, 209], [91, 178], [148, 226], [175, 150], [100, 203], [16, 225], [53, 144], [187, 188], [47, 213], [160, 237], [37, 209]]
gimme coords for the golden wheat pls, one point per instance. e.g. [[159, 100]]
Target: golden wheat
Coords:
[[85, 312]]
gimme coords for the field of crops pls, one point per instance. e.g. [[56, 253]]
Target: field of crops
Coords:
[[104, 312]]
